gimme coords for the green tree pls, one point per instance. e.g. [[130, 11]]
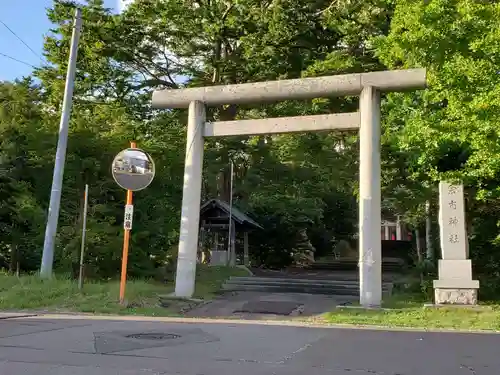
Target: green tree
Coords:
[[291, 183], [22, 141], [450, 131]]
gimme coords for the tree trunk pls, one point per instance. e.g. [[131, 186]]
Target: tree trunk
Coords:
[[223, 185], [246, 253], [428, 232], [419, 246], [14, 258]]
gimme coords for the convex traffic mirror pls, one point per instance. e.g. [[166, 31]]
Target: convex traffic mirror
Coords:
[[133, 169]]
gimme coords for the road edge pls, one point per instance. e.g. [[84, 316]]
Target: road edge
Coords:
[[284, 323]]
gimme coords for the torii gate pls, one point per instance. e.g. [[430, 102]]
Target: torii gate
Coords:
[[367, 85]]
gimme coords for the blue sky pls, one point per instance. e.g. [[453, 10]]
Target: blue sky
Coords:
[[28, 19]]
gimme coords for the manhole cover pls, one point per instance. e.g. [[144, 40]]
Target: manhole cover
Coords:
[[153, 336]]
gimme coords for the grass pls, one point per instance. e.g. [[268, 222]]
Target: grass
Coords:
[[409, 312], [30, 293], [60, 294]]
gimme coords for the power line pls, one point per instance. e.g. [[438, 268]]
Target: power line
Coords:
[[17, 60], [21, 40]]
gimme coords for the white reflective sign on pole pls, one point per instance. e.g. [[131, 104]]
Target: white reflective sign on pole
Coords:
[[129, 214]]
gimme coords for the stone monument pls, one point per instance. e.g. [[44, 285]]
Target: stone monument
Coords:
[[455, 284]]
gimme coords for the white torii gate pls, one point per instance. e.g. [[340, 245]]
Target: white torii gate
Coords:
[[367, 85]]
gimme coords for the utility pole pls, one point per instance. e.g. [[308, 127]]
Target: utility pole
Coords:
[[230, 242], [84, 233], [62, 142]]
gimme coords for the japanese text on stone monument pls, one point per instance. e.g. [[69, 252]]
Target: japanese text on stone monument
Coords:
[[451, 218]]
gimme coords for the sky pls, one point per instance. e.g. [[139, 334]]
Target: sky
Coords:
[[28, 19]]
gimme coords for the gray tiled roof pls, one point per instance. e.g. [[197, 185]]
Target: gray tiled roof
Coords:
[[237, 215]]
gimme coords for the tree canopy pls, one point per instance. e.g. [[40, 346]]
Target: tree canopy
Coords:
[[301, 188]]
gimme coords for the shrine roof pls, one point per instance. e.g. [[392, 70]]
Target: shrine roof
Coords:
[[236, 214]]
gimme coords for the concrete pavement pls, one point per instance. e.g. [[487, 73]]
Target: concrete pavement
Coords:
[[259, 305], [91, 346]]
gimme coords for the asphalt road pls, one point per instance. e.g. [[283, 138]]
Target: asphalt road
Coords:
[[79, 346], [133, 181]]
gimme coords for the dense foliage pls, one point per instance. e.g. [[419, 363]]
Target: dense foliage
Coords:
[[300, 188]]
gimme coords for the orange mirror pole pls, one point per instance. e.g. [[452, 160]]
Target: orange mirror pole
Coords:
[[127, 225]]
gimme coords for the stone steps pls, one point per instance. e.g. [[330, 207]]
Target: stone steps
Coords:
[[352, 265], [338, 276], [295, 281], [295, 285]]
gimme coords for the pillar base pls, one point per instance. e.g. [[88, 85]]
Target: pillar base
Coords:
[[455, 292], [455, 296]]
